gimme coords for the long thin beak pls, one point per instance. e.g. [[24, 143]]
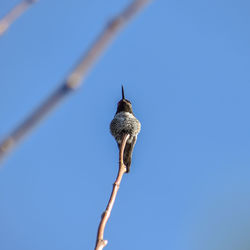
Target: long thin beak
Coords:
[[123, 93]]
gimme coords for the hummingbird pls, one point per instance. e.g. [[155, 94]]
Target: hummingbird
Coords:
[[125, 122]]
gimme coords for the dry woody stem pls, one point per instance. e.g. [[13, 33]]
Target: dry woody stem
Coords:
[[100, 242], [75, 78], [16, 12]]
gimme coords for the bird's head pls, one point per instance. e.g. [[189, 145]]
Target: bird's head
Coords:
[[124, 104]]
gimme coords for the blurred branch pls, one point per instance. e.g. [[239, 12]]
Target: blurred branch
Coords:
[[17, 11], [75, 78], [100, 242]]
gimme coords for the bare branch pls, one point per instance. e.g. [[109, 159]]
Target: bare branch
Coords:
[[75, 78], [17, 11], [100, 242]]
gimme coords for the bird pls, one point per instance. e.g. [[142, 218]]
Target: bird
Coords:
[[125, 122]]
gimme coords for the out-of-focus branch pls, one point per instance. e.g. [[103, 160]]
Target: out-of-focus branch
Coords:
[[17, 11], [75, 78], [100, 242]]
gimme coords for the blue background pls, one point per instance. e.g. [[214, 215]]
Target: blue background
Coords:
[[185, 68]]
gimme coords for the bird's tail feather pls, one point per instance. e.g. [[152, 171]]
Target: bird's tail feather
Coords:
[[127, 157]]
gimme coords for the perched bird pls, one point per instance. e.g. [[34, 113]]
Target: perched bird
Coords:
[[123, 123]]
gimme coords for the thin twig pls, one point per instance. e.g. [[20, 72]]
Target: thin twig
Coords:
[[17, 11], [75, 78], [100, 242]]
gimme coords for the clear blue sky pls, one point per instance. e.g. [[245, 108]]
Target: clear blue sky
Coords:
[[185, 68]]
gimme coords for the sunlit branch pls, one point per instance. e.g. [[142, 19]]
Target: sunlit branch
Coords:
[[17, 11], [100, 242]]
